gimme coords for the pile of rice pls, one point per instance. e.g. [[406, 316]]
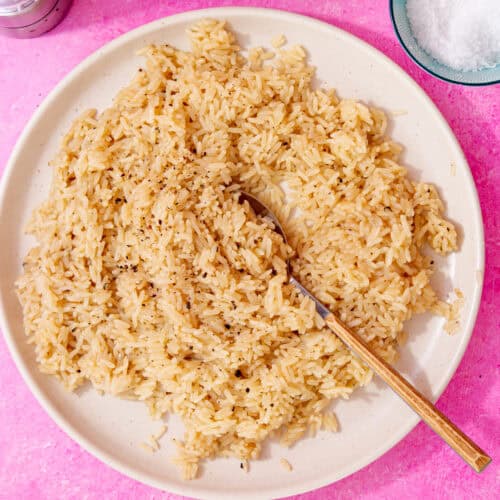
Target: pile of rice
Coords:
[[152, 281]]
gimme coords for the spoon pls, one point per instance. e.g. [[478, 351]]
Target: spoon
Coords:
[[438, 422]]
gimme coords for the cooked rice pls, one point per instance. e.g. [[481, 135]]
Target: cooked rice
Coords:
[[330, 422], [286, 464], [147, 447], [399, 112], [278, 41], [152, 445], [160, 433], [453, 169], [151, 280]]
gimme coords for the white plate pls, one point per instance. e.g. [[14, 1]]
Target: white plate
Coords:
[[374, 419]]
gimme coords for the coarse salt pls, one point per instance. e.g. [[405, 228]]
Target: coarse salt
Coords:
[[461, 34]]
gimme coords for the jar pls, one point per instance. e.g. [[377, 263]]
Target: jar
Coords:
[[31, 18]]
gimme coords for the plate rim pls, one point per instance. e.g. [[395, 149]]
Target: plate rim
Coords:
[[187, 489]]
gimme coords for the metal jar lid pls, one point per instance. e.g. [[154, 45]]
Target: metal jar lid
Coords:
[[31, 18]]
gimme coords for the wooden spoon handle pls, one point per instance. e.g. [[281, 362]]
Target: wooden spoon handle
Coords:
[[464, 446]]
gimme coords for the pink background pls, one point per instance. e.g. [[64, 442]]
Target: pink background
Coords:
[[38, 461]]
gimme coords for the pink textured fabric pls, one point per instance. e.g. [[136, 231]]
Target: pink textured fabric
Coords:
[[38, 461]]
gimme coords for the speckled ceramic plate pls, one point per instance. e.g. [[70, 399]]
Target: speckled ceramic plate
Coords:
[[374, 419]]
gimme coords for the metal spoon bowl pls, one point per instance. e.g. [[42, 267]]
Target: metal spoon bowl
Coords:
[[463, 445]]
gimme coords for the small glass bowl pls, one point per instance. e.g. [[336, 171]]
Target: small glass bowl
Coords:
[[487, 76]]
